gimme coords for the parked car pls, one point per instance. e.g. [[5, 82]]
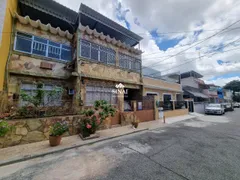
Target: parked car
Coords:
[[236, 105], [228, 107], [215, 109]]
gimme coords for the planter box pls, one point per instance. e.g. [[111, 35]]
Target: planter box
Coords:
[[92, 136]]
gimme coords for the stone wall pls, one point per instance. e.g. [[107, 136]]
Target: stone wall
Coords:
[[26, 131], [108, 72], [21, 63]]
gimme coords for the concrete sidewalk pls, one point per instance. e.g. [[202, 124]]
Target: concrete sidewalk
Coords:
[[29, 151]]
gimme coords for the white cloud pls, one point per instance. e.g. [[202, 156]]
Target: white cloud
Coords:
[[223, 81], [175, 15]]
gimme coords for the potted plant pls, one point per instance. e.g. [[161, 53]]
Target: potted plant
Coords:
[[4, 128], [93, 118], [135, 123], [56, 131]]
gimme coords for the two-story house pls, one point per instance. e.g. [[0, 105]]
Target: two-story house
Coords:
[[41, 53], [106, 57], [193, 86]]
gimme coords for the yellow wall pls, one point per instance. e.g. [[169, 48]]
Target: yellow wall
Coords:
[[163, 84], [6, 37]]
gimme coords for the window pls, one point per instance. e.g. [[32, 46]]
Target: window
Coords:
[[94, 93], [97, 52], [48, 99], [42, 47], [23, 43], [167, 97], [128, 62]]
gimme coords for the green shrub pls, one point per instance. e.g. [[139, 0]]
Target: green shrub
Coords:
[[58, 128], [4, 128]]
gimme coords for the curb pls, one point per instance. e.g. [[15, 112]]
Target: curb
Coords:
[[33, 156]]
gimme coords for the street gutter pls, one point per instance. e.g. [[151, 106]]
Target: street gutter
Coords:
[[37, 155]]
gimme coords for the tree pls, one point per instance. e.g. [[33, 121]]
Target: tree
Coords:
[[235, 87]]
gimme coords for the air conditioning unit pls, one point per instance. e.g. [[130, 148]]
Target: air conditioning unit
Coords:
[[70, 91]]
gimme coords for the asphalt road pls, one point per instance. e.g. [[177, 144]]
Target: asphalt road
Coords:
[[204, 148]]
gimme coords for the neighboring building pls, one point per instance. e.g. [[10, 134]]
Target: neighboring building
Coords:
[[8, 7], [167, 90], [193, 86], [228, 94]]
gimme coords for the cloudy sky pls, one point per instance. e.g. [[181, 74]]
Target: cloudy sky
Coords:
[[172, 26]]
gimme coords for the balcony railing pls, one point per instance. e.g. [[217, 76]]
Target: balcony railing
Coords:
[[42, 47], [180, 105]]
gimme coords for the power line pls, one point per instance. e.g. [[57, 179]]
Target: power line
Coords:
[[205, 55], [201, 57], [198, 58], [176, 55], [174, 49], [199, 42], [181, 32]]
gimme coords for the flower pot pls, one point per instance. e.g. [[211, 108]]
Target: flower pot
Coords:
[[55, 140], [136, 125], [85, 134]]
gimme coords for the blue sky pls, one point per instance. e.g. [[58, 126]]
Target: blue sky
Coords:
[[150, 16], [228, 75]]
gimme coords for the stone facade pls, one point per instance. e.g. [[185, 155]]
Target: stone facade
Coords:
[[91, 69], [25, 131], [30, 65], [108, 72], [14, 87]]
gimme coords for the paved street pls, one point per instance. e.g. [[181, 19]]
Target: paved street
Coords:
[[203, 148]]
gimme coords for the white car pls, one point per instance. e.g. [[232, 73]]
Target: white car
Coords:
[[214, 109], [236, 105]]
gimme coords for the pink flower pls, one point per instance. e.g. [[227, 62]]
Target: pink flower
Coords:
[[98, 121], [88, 126]]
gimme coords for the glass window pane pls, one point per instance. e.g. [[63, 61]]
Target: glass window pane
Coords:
[[66, 55], [53, 52], [85, 51], [103, 56], [23, 44], [39, 48], [54, 44], [111, 59], [66, 47], [40, 40], [94, 54]]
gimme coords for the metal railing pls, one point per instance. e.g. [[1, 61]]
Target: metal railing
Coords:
[[180, 104]]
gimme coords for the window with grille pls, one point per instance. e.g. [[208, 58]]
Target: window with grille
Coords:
[[47, 99], [128, 62], [97, 52], [39, 46], [94, 93]]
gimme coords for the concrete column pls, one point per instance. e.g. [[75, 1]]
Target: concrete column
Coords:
[[156, 114], [120, 98], [134, 105], [173, 105]]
